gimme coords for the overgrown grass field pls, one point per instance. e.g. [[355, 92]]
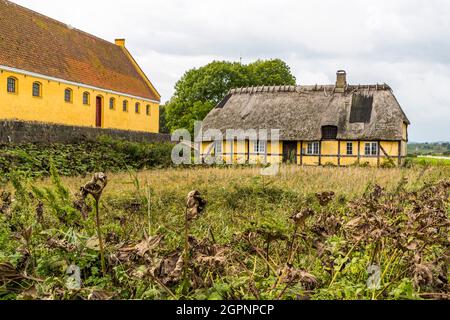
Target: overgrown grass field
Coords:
[[307, 233]]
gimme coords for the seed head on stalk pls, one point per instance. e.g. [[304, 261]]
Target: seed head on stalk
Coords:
[[195, 205], [95, 188]]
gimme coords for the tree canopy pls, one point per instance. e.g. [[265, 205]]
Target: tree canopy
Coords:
[[200, 90]]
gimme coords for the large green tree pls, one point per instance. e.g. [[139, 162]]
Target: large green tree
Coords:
[[200, 90], [162, 119]]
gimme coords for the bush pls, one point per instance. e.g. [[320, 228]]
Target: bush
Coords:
[[104, 154]]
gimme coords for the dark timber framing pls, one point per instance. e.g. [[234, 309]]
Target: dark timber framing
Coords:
[[312, 155], [386, 155], [339, 153], [266, 152], [301, 153], [320, 153], [359, 152], [378, 152], [381, 156]]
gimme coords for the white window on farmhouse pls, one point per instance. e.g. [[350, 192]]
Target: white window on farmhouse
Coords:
[[371, 148], [349, 148], [260, 147], [313, 148], [218, 147]]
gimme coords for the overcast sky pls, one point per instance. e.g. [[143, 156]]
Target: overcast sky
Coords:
[[405, 43]]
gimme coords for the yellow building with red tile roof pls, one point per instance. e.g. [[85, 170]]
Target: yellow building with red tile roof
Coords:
[[51, 72]]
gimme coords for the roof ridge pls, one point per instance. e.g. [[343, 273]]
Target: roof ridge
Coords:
[[260, 89], [298, 88], [68, 26]]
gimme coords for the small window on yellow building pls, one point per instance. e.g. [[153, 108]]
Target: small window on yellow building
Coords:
[[371, 149], [125, 106], [260, 147], [349, 148], [329, 132], [218, 150], [313, 148], [12, 85], [137, 107], [148, 110], [37, 90], [112, 103], [86, 98], [68, 95]]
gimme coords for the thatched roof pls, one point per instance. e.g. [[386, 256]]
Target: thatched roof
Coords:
[[360, 112]]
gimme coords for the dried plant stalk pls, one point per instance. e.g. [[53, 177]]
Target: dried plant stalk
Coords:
[[95, 188]]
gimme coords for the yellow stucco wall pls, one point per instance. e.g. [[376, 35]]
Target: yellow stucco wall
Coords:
[[391, 148], [405, 132], [329, 152], [348, 160], [52, 108]]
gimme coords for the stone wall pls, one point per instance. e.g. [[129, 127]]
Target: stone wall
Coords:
[[16, 132]]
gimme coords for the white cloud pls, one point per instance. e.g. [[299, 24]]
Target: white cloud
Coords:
[[403, 43]]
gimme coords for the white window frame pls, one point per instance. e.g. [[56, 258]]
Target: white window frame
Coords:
[[313, 148], [218, 147], [349, 148], [260, 147], [371, 148]]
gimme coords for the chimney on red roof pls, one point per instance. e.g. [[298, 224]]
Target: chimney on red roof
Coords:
[[120, 43]]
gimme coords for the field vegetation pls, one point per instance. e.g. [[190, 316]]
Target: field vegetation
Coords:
[[105, 154], [433, 148], [307, 233], [429, 161]]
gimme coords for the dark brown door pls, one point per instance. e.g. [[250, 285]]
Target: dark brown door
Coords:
[[290, 151], [98, 113]]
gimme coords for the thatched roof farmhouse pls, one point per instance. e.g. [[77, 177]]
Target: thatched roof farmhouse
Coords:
[[317, 113]]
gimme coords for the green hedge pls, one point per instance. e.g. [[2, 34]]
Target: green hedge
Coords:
[[104, 154]]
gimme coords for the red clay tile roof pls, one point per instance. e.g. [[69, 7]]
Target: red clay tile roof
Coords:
[[36, 43]]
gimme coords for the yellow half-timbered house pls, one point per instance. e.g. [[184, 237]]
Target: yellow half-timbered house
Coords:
[[337, 125]]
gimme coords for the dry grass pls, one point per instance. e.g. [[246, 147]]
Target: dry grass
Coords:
[[351, 181]]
